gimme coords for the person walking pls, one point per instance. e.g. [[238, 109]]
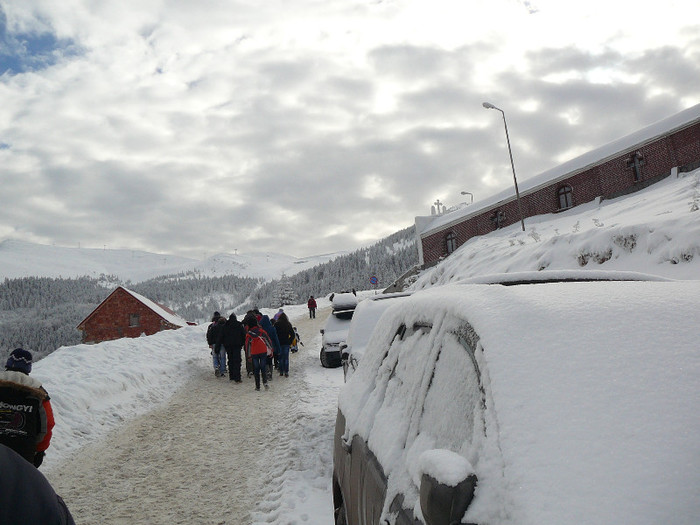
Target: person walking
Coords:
[[266, 324], [218, 351], [27, 417], [285, 334], [233, 340], [312, 307], [210, 339], [257, 345]]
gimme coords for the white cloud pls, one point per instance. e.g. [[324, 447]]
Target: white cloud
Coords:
[[265, 119]]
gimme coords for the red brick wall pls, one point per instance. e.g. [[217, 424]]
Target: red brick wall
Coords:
[[111, 319], [606, 179], [685, 145]]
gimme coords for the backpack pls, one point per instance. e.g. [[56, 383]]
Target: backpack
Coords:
[[258, 345], [22, 418]]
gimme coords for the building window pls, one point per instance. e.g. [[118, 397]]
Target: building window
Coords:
[[566, 197], [134, 320], [451, 242], [498, 219], [635, 163]]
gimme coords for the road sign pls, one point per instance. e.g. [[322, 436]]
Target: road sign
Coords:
[[373, 280]]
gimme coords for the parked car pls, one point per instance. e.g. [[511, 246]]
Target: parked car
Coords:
[[364, 319], [335, 331], [558, 402]]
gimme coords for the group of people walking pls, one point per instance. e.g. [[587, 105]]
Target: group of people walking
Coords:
[[266, 343]]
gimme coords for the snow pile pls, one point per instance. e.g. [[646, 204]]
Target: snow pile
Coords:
[[96, 388], [656, 230]]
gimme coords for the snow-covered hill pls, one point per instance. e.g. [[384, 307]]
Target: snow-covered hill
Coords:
[[24, 259]]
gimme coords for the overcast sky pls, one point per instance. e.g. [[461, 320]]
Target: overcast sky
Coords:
[[310, 126]]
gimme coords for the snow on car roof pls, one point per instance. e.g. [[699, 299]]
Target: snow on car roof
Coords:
[[594, 387], [344, 301]]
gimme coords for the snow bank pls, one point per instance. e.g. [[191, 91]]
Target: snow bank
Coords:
[[95, 388]]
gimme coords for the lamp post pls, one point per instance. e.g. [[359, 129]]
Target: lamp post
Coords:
[[470, 195], [488, 105]]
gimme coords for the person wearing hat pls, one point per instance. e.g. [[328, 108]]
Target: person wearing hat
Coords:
[[26, 416]]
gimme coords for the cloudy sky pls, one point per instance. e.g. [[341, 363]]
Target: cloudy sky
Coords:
[[310, 126]]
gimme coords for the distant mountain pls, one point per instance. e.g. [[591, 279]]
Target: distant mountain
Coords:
[[45, 291], [25, 259]]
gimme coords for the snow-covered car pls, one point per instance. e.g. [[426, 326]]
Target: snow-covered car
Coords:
[[557, 402], [335, 331], [366, 316]]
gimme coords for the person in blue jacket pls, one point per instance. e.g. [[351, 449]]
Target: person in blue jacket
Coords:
[[26, 496]]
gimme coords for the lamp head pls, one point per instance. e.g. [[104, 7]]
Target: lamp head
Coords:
[[488, 105]]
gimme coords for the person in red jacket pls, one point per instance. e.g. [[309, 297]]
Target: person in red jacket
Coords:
[[257, 347], [312, 307], [26, 416]]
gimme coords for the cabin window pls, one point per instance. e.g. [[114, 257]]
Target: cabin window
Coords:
[[451, 242], [134, 320], [566, 197]]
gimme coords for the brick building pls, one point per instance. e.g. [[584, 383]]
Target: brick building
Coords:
[[631, 163], [127, 314]]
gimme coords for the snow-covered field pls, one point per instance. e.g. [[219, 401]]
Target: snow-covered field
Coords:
[[145, 433]]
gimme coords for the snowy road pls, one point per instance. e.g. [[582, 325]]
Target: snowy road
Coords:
[[217, 452]]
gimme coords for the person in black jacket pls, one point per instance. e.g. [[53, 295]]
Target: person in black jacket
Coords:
[[26, 496], [285, 335], [233, 339], [215, 334]]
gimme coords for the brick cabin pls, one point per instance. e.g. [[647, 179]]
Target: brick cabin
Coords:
[[636, 161], [127, 314]]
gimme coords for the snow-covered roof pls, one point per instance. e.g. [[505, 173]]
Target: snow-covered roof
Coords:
[[160, 310], [166, 314], [430, 224]]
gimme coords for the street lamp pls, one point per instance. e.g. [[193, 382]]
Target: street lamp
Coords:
[[470, 194], [488, 105]]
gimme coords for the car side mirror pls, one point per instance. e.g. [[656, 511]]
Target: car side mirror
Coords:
[[444, 502]]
